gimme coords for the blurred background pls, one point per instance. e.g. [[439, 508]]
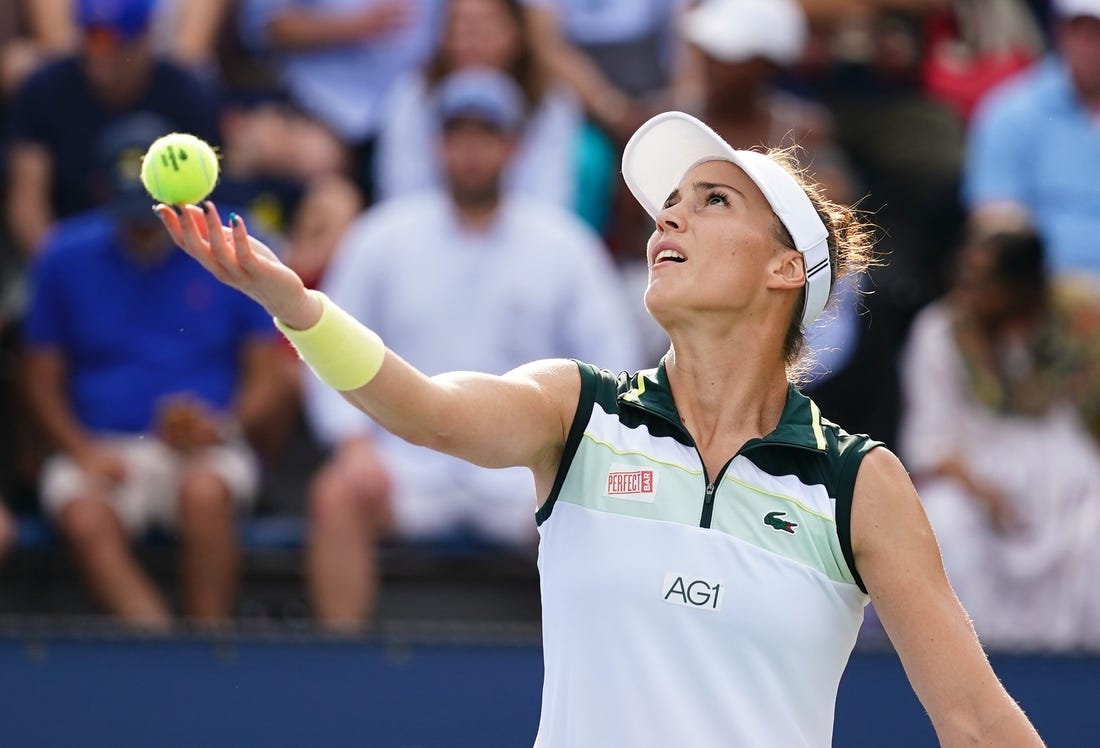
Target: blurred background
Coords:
[[200, 544]]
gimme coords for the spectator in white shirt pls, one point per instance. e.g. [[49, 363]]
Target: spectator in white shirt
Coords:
[[467, 278]]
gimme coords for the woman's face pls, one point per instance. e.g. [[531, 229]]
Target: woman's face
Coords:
[[977, 291], [713, 247], [481, 33]]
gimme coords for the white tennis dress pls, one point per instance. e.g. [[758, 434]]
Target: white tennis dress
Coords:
[[681, 609]]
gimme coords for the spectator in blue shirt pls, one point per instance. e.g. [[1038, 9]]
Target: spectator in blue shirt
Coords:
[[146, 375], [1035, 145]]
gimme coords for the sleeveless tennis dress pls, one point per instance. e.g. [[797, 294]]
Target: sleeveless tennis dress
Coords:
[[681, 609]]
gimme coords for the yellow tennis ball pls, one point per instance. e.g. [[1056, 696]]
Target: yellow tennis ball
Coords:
[[179, 168]]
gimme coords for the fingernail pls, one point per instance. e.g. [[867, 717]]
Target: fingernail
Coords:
[[233, 220]]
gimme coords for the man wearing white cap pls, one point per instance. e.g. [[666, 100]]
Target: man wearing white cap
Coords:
[[1034, 147], [707, 540]]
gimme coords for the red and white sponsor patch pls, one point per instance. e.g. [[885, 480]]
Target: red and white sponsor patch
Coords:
[[631, 483]]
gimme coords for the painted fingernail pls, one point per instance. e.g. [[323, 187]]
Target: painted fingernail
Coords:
[[233, 220]]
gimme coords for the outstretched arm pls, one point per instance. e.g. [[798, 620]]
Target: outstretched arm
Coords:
[[897, 556], [519, 419]]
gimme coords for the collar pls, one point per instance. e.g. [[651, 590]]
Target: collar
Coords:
[[799, 424]]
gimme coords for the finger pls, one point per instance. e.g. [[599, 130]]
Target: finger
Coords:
[[195, 245], [171, 222], [215, 233], [195, 229], [241, 242]]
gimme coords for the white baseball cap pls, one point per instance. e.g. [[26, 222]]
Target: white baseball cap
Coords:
[[736, 30], [1072, 8], [669, 145]]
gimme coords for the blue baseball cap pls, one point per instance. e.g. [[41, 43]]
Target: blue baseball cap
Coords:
[[483, 94], [121, 147], [129, 18]]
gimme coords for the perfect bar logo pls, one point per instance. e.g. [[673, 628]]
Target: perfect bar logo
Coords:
[[630, 483]]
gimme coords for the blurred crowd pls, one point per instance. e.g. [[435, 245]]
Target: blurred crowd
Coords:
[[447, 170]]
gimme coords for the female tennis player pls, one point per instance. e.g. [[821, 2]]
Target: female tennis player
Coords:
[[708, 540]]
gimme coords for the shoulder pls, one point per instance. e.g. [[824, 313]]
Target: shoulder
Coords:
[[1022, 97], [406, 216], [549, 224], [80, 236]]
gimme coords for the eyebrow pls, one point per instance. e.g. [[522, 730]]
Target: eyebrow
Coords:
[[703, 187]]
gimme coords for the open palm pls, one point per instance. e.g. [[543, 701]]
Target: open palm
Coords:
[[234, 257]]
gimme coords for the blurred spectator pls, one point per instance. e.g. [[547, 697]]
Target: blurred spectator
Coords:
[[184, 31], [147, 375], [487, 34], [62, 109], [271, 155], [1035, 146], [339, 59], [1002, 417], [7, 530], [747, 48], [626, 61], [972, 45], [30, 33], [865, 63], [424, 271], [325, 213], [622, 57]]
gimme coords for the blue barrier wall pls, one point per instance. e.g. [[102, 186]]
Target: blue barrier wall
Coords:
[[58, 691]]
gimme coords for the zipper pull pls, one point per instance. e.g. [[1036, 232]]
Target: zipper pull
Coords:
[[709, 498]]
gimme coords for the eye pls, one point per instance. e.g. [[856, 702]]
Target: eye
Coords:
[[717, 198]]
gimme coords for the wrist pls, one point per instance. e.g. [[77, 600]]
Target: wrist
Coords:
[[343, 353], [303, 314]]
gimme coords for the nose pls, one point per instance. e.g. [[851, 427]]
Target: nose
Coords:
[[668, 220]]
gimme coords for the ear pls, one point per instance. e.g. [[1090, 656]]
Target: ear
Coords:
[[787, 270]]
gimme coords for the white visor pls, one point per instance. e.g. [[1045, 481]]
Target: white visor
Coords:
[[669, 145]]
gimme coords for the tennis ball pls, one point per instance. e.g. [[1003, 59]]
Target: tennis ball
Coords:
[[179, 168]]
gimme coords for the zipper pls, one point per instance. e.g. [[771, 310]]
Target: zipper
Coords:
[[707, 514]]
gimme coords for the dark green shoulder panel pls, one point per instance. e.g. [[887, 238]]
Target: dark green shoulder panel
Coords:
[[835, 467], [597, 385]]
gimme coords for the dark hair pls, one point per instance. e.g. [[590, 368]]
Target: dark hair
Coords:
[[1019, 259], [524, 69], [851, 253]]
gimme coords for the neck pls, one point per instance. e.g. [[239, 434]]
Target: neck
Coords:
[[732, 386], [477, 216]]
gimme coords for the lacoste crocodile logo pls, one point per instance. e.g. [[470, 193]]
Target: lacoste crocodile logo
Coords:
[[775, 521]]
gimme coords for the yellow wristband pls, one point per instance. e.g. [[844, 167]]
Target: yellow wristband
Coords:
[[344, 353]]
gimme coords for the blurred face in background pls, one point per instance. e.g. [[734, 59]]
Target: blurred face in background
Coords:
[[982, 295], [116, 65], [482, 33], [475, 154], [1079, 41]]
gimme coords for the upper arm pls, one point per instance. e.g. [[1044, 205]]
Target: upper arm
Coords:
[[521, 418], [898, 558], [998, 145]]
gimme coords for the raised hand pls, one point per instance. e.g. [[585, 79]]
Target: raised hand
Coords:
[[240, 261]]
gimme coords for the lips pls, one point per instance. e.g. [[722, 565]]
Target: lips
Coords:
[[666, 251]]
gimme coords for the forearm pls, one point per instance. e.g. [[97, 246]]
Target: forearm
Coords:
[[59, 424], [265, 385], [300, 29], [28, 208], [1003, 723], [602, 99]]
